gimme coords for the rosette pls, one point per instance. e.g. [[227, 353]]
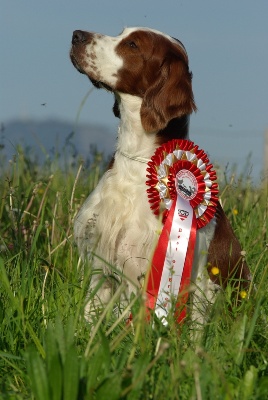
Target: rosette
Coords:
[[180, 167], [183, 190]]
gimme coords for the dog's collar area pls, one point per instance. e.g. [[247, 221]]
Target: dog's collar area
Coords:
[[135, 158]]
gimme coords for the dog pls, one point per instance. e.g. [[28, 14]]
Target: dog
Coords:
[[148, 72]]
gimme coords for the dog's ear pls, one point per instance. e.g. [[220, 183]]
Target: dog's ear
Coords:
[[170, 96]]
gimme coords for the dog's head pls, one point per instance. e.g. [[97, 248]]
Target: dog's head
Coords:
[[140, 62]]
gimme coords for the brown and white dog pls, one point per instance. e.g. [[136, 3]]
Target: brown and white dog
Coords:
[[149, 74]]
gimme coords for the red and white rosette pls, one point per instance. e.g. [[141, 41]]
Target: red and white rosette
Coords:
[[183, 190]]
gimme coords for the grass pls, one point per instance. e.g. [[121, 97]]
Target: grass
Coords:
[[49, 352]]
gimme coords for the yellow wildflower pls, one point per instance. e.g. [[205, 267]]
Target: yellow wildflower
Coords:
[[243, 294], [215, 270], [235, 211]]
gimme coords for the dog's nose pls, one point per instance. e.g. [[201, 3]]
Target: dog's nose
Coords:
[[78, 37]]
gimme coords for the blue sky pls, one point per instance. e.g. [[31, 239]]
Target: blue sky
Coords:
[[227, 43]]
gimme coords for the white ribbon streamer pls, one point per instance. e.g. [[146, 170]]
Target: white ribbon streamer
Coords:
[[175, 258]]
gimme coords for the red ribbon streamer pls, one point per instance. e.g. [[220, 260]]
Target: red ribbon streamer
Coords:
[[158, 260]]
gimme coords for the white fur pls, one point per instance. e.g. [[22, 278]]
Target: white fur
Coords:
[[125, 228], [103, 65]]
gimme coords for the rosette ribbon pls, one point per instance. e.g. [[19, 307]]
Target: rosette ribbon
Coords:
[[183, 190]]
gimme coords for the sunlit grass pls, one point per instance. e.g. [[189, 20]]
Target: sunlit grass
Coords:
[[47, 349]]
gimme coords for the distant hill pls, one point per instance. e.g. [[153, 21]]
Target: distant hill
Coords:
[[54, 136]]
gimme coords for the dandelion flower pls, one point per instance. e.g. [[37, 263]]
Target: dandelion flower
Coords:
[[235, 211], [243, 294]]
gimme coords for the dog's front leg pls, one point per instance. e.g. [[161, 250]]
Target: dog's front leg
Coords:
[[99, 294], [86, 235]]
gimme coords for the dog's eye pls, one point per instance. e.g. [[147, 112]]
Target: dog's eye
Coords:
[[132, 44]]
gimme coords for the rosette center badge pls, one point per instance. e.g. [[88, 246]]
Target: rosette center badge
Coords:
[[186, 184]]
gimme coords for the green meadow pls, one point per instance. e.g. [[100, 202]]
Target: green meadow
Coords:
[[47, 349]]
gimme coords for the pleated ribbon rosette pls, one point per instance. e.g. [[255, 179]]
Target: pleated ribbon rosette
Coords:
[[183, 190]]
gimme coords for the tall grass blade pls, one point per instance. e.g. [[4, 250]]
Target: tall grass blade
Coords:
[[37, 375], [71, 375]]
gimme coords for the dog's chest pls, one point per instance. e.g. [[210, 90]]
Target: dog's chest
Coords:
[[123, 219]]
